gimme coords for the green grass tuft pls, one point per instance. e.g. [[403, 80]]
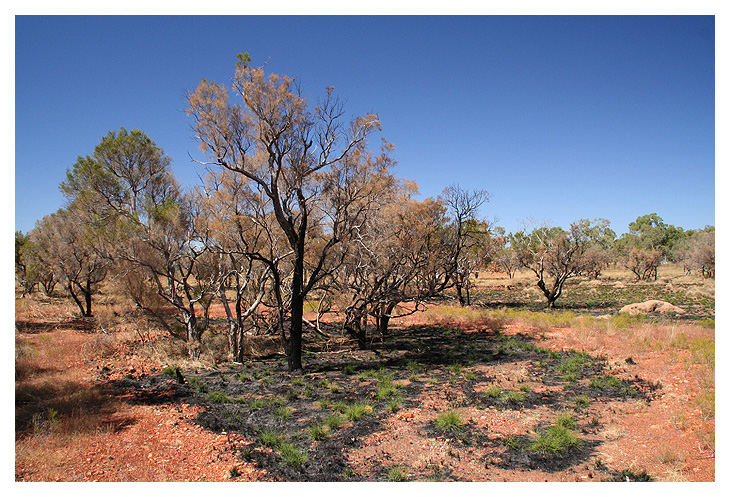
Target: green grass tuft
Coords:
[[449, 420]]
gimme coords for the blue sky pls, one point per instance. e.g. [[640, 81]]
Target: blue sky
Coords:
[[559, 118]]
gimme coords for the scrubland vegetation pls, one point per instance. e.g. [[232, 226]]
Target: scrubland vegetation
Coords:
[[305, 305]]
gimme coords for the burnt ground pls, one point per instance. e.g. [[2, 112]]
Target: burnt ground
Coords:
[[407, 380]]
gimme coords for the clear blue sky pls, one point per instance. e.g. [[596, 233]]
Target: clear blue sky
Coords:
[[559, 118]]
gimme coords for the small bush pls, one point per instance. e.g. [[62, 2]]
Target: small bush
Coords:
[[581, 400], [449, 420], [348, 369], [386, 389]]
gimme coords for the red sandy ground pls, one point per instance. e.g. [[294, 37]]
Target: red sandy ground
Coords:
[[121, 441]]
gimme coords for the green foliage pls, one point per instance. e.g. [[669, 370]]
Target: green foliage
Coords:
[[395, 403], [169, 371], [348, 369], [283, 412], [572, 366], [197, 385], [318, 432], [493, 392], [449, 420], [581, 400], [217, 397], [334, 421], [243, 59], [396, 474], [270, 438], [513, 442], [357, 411], [516, 396], [556, 439], [244, 377]]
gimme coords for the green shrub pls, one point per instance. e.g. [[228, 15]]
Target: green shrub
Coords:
[[348, 369], [169, 371], [493, 392], [218, 397], [513, 442], [386, 389], [396, 474], [283, 412], [395, 403], [198, 385], [449, 420], [556, 439], [334, 421], [291, 455], [318, 432], [357, 411], [516, 396], [270, 438], [581, 400]]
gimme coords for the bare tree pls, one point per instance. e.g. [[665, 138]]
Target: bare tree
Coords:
[[470, 235], [66, 242], [301, 160], [643, 262]]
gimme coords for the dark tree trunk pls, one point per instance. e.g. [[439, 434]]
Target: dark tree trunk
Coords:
[[459, 294], [87, 296]]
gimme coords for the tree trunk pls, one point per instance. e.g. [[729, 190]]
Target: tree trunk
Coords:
[[459, 294], [193, 337], [87, 296]]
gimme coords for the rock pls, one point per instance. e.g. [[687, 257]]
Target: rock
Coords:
[[658, 306]]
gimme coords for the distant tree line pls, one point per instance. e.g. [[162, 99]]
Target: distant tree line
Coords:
[[297, 211]]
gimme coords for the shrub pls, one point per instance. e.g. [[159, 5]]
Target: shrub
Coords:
[[386, 388], [198, 385], [556, 439], [334, 421], [283, 412], [516, 396], [581, 400], [270, 438], [169, 371], [357, 411], [218, 397], [395, 404], [396, 474], [349, 369], [493, 392], [291, 455], [244, 377], [449, 420], [318, 432]]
